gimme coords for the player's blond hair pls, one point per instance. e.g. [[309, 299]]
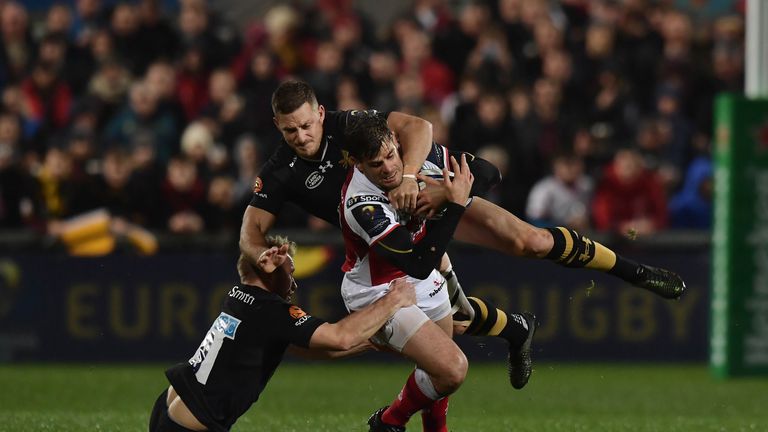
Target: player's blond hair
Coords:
[[278, 240], [246, 268]]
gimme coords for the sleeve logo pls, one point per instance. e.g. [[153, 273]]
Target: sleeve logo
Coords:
[[296, 312], [371, 218], [257, 185], [227, 325]]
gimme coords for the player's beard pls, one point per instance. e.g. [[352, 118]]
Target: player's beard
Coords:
[[386, 187]]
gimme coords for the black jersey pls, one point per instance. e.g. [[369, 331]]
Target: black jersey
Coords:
[[314, 186], [239, 354]]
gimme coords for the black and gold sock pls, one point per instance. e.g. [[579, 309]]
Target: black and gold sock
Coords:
[[573, 250], [491, 321]]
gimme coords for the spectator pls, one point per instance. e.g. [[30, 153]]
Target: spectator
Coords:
[[147, 177], [437, 80], [325, 75], [15, 182], [454, 42], [130, 43], [629, 199], [488, 124], [17, 49], [161, 79], [108, 88], [88, 18], [112, 188], [348, 95], [224, 110], [248, 157], [192, 90], [490, 60], [156, 28], [223, 213], [382, 72], [563, 198], [142, 115], [257, 87], [48, 100], [183, 197], [196, 143], [692, 207]]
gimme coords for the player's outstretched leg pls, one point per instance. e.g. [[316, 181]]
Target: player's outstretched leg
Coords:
[[488, 225], [573, 250], [516, 328]]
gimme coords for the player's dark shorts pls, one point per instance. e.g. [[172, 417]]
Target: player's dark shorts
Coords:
[[159, 420]]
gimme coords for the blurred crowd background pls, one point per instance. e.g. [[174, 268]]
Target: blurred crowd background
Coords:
[[597, 112]]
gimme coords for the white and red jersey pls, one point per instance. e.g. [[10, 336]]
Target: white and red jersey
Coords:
[[367, 217]]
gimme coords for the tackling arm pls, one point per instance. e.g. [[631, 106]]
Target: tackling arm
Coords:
[[415, 137], [355, 329], [324, 354], [256, 224]]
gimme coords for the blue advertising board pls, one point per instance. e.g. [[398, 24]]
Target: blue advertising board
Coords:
[[128, 308]]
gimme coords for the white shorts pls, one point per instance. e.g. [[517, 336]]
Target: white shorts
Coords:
[[432, 303]]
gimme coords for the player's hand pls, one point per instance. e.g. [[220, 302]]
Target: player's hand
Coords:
[[272, 258], [431, 199], [403, 291], [404, 196], [457, 188]]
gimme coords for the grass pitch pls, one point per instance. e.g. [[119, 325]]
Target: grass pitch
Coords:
[[340, 396]]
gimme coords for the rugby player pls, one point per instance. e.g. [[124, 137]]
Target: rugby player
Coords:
[[247, 341], [382, 245], [310, 168]]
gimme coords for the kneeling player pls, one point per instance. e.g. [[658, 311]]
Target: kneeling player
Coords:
[[247, 341]]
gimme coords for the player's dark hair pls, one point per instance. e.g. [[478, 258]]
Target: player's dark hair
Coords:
[[365, 134], [291, 95]]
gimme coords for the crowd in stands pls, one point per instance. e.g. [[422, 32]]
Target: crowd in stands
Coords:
[[598, 112]]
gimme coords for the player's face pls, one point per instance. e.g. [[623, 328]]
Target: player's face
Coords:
[[303, 129], [386, 169]]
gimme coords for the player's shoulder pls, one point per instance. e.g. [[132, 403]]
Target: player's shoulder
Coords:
[[282, 155]]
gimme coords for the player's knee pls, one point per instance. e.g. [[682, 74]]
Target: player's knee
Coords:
[[455, 373], [525, 241], [537, 242]]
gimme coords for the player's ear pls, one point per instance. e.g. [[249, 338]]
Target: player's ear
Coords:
[[321, 111], [355, 162]]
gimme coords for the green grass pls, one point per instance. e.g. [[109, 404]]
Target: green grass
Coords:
[[340, 396]]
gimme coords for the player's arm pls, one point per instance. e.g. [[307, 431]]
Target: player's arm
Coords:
[[355, 329], [256, 223], [415, 137], [324, 354], [418, 260], [432, 198]]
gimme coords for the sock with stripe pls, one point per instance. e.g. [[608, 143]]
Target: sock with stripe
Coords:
[[576, 251], [491, 321]]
